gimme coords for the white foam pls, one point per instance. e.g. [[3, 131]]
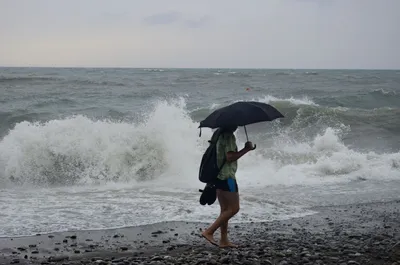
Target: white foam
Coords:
[[101, 151], [292, 100], [325, 159], [165, 147]]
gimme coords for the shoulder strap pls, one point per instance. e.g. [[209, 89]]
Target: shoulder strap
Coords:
[[216, 139]]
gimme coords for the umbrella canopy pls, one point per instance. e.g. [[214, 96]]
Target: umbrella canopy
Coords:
[[240, 114]]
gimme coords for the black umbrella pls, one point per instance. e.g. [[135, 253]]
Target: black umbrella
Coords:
[[241, 113]]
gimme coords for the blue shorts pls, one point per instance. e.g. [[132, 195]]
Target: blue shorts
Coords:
[[228, 184]]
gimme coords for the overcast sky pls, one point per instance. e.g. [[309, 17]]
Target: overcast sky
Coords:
[[206, 33]]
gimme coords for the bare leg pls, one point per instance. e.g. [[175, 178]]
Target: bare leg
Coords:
[[209, 232], [234, 208], [229, 202]]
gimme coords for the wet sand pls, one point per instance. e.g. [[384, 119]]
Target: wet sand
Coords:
[[350, 234]]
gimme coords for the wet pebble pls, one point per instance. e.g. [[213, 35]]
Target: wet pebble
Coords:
[[57, 258]]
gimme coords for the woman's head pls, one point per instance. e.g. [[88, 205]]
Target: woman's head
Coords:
[[229, 129]]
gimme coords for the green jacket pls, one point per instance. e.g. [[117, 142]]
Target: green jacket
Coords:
[[226, 143]]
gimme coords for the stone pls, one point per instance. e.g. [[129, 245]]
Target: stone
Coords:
[[57, 258], [266, 262], [157, 258], [224, 260], [202, 261]]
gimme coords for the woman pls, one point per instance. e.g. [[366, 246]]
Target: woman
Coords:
[[227, 188]]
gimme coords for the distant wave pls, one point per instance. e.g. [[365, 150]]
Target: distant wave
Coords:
[[291, 100], [13, 79], [153, 70], [97, 82], [54, 101], [27, 79], [384, 92], [232, 73], [310, 73], [284, 73]]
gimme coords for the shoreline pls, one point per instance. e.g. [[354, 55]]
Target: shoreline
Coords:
[[366, 233]]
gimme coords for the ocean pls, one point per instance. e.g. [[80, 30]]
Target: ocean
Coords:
[[106, 148]]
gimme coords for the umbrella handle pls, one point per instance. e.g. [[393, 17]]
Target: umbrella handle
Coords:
[[246, 133], [255, 146]]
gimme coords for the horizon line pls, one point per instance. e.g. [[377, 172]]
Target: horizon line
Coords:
[[201, 68]]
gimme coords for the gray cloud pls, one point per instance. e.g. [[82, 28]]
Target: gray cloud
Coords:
[[164, 18]]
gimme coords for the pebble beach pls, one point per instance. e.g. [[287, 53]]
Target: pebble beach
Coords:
[[349, 234]]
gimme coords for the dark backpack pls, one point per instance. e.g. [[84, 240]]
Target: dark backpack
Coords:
[[209, 169]]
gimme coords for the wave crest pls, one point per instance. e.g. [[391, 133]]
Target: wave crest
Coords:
[[164, 146]]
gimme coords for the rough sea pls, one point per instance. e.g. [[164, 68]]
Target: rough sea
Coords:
[[106, 148]]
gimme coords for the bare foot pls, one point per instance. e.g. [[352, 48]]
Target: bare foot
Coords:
[[227, 245], [209, 237]]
